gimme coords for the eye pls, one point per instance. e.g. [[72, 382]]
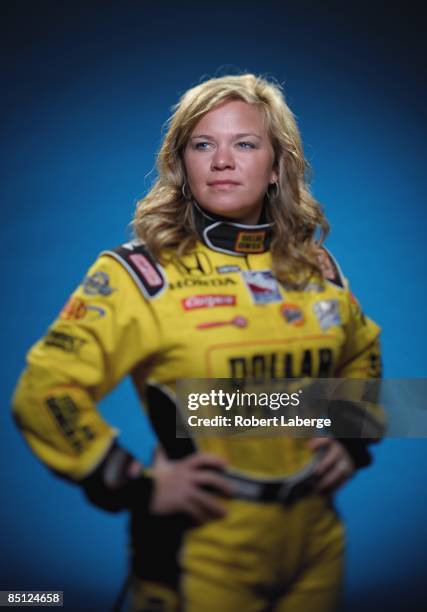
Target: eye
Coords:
[[201, 146], [246, 145]]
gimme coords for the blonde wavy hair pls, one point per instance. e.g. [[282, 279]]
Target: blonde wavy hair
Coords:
[[164, 217]]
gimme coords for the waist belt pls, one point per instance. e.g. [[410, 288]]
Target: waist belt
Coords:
[[284, 490]]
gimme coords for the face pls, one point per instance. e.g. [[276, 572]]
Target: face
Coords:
[[229, 161]]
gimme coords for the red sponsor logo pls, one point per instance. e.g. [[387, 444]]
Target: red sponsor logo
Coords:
[[147, 270], [208, 301], [76, 309], [237, 322], [73, 310]]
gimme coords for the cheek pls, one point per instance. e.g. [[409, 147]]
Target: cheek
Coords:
[[195, 169], [258, 171]]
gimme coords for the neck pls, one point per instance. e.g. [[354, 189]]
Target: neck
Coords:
[[259, 218], [231, 236]]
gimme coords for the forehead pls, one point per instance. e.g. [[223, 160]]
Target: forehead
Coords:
[[232, 116]]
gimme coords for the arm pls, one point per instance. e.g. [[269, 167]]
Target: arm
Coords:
[[360, 359], [103, 332], [90, 347]]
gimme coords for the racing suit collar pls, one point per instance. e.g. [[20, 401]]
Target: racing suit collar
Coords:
[[225, 236]]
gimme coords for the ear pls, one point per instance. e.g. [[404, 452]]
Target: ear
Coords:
[[274, 178]]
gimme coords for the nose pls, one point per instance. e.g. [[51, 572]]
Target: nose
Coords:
[[222, 159]]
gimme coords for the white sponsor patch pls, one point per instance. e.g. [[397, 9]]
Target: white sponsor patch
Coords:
[[327, 313]]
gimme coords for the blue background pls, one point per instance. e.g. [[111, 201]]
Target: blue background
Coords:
[[86, 88]]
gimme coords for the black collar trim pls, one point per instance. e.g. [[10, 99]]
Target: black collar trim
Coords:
[[227, 236]]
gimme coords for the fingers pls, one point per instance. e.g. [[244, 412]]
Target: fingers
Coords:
[[197, 460], [335, 467], [330, 458], [333, 479], [204, 506], [319, 443], [220, 484], [193, 510], [180, 487]]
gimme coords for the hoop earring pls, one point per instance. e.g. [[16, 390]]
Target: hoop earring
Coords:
[[273, 195], [183, 188]]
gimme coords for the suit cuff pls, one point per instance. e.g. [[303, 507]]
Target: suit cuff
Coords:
[[113, 486], [357, 448]]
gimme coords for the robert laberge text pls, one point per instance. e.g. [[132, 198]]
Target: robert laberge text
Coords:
[[252, 421]]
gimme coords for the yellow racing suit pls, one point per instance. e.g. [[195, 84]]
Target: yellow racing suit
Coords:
[[217, 312]]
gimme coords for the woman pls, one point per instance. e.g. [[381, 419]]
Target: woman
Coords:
[[225, 279]]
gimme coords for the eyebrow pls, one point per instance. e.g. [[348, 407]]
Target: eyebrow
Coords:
[[240, 135]]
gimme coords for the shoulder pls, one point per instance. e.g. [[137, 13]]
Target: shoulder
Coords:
[[140, 265], [330, 268]]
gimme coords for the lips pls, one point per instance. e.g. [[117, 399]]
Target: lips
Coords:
[[223, 183]]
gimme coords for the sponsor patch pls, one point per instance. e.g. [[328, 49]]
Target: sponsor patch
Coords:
[[194, 264], [64, 342], [227, 269], [73, 310], [76, 309], [317, 363], [97, 284], [262, 286], [236, 321], [208, 301], [189, 283], [250, 242], [327, 313], [95, 312], [66, 414], [293, 314], [315, 287], [144, 270]]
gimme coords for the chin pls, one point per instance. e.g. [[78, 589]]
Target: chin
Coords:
[[223, 206], [224, 210]]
